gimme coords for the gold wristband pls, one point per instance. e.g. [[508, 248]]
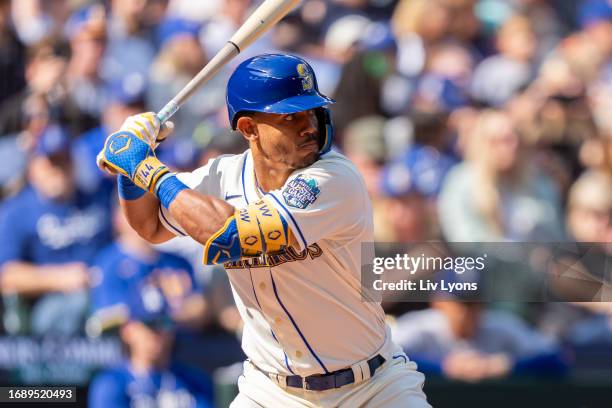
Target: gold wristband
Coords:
[[148, 173]]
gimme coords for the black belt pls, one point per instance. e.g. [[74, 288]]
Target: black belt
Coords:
[[336, 379]]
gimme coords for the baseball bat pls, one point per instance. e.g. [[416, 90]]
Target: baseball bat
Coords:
[[264, 17]]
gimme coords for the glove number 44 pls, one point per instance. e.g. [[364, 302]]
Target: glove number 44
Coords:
[[144, 173]]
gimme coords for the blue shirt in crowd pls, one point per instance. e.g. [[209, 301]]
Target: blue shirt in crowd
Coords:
[[178, 387], [125, 278], [41, 231]]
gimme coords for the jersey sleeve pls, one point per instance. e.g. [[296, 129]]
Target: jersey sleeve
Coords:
[[206, 180], [325, 201]]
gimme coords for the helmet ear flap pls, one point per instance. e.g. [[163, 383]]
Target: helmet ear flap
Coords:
[[326, 129]]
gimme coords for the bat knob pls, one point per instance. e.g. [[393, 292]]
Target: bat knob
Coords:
[[167, 111]]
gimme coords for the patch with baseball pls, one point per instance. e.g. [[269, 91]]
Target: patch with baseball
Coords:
[[301, 192]]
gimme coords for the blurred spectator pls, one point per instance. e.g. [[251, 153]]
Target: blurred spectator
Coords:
[[596, 20], [36, 20], [360, 83], [46, 253], [418, 24], [590, 208], [84, 83], [130, 49], [125, 99], [343, 35], [431, 128], [410, 185], [223, 24], [149, 376], [546, 23], [444, 86], [180, 58], [195, 11], [562, 109], [44, 69], [464, 341], [542, 14], [459, 338], [131, 265], [12, 55], [16, 147], [596, 154], [370, 62], [585, 265], [127, 18], [498, 77], [496, 194], [365, 145]]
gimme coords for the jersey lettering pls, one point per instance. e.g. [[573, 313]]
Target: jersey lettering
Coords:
[[290, 254]]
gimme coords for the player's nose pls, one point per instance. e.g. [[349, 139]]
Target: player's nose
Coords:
[[308, 124]]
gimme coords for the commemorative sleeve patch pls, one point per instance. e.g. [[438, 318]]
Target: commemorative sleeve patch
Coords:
[[301, 192]]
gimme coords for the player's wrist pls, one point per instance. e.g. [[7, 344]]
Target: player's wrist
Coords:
[[127, 190], [148, 173], [167, 189]]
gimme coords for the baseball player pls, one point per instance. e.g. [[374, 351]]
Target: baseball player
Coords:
[[286, 218]]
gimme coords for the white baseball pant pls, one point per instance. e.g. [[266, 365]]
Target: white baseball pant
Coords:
[[396, 384]]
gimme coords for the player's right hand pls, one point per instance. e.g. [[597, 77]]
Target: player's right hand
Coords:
[[148, 128]]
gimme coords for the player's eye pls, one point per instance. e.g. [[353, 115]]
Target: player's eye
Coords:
[[289, 117]]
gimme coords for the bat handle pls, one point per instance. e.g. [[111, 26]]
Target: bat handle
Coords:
[[167, 111]]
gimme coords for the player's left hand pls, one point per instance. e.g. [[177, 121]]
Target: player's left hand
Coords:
[[130, 151]]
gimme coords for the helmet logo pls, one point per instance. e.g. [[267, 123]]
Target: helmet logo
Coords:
[[307, 81]]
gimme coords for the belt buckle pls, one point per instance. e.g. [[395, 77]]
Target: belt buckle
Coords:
[[305, 384]]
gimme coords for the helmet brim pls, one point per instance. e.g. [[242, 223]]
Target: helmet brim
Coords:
[[294, 104], [298, 103]]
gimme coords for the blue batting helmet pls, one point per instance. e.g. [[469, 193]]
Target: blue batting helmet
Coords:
[[278, 83]]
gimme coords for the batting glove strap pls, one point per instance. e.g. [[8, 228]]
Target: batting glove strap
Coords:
[[148, 173], [127, 190]]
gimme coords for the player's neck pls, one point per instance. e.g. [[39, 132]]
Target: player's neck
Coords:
[[270, 175]]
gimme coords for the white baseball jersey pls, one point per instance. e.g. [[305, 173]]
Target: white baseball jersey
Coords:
[[303, 311]]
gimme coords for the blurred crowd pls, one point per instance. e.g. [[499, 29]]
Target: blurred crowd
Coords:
[[470, 121]]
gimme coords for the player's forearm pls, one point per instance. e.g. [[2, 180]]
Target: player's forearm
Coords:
[[142, 215], [201, 216]]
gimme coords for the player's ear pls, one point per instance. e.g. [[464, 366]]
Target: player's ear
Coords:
[[248, 127]]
